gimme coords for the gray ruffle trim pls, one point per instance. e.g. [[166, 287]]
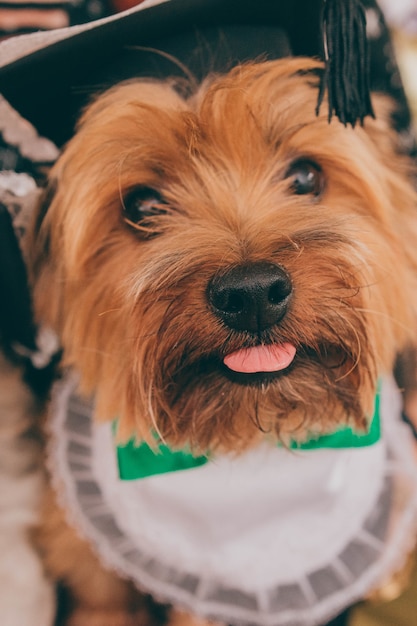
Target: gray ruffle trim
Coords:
[[371, 555]]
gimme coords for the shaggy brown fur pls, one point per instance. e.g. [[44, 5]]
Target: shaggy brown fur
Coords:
[[129, 300]]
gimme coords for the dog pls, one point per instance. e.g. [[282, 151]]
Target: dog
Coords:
[[227, 272]]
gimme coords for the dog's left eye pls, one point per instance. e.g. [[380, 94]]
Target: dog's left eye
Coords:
[[141, 206], [306, 177]]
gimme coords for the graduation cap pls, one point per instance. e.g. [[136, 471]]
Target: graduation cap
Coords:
[[48, 77]]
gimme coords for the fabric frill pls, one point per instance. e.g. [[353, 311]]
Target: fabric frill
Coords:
[[273, 538]]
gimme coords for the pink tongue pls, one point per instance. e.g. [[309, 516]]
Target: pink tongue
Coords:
[[261, 358]]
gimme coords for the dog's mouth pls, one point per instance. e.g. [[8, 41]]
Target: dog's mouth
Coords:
[[261, 359], [260, 363], [265, 363]]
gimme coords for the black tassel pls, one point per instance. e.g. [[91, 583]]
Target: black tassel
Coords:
[[346, 75]]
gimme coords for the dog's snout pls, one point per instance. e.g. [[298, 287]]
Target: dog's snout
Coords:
[[251, 297]]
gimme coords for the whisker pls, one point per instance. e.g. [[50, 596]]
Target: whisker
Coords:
[[169, 57], [109, 311], [386, 316], [152, 416]]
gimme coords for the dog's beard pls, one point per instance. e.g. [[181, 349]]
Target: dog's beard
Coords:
[[180, 380], [209, 409]]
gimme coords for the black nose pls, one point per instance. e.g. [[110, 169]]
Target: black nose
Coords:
[[251, 297]]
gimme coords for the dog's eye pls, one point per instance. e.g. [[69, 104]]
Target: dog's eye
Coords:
[[141, 206], [306, 177]]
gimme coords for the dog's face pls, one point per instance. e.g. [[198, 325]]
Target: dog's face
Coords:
[[229, 264]]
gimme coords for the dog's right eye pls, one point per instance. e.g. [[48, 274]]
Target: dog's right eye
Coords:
[[306, 177], [140, 208]]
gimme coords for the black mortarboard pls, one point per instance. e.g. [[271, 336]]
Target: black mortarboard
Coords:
[[49, 85]]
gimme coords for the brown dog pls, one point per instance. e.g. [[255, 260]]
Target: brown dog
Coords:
[[222, 269]]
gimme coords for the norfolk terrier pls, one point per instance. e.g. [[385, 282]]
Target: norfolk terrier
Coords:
[[231, 277]]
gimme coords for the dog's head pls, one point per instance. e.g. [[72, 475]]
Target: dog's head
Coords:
[[229, 264]]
